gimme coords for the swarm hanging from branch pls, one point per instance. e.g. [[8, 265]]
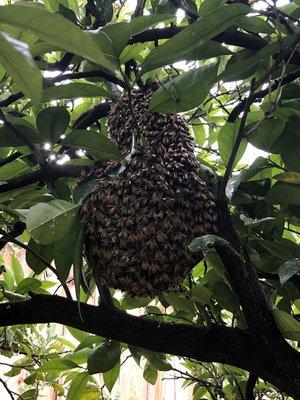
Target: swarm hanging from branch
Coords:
[[140, 222]]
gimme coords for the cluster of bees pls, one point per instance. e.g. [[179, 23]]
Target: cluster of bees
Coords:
[[141, 221]]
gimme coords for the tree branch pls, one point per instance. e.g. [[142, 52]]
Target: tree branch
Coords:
[[292, 76], [47, 173], [209, 344], [238, 140], [91, 116], [249, 394], [213, 343], [12, 157]]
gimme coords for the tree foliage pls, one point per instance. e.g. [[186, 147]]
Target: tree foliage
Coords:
[[232, 70]]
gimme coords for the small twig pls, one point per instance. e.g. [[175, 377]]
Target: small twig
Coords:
[[12, 157], [89, 74], [7, 389], [240, 136], [139, 9], [249, 393], [20, 135]]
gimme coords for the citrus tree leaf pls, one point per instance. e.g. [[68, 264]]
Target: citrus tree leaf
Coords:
[[55, 29], [194, 35], [226, 140], [110, 377], [78, 386], [52, 122], [18, 63], [96, 143], [72, 91], [104, 357], [288, 269], [49, 222], [185, 91]]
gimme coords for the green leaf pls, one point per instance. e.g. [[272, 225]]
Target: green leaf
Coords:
[[77, 264], [18, 63], [49, 222], [52, 122], [17, 269], [288, 269], [283, 192], [117, 36], [110, 377], [255, 24], [150, 373], [194, 35], [289, 326], [205, 51], [44, 251], [207, 6], [27, 285], [83, 189], [63, 256], [244, 176], [55, 29], [130, 303], [71, 91], [58, 365], [235, 69], [104, 358], [96, 143], [180, 303], [200, 294], [78, 386], [157, 360], [267, 133], [205, 243], [142, 22], [185, 91], [9, 139], [226, 140]]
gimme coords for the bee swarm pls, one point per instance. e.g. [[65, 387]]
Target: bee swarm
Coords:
[[140, 223]]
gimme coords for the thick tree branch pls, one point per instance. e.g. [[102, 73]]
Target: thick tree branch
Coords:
[[47, 173], [213, 343], [210, 344], [12, 157]]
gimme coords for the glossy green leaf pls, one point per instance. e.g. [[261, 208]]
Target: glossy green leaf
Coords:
[[157, 360], [205, 243], [58, 365], [179, 302], [17, 269], [150, 373], [55, 29], [142, 22], [44, 251], [78, 386], [8, 137], [110, 377], [18, 63], [72, 91], [289, 326], [63, 252], [49, 222], [104, 358], [28, 284], [194, 35], [78, 244], [235, 69], [288, 269], [185, 91], [255, 24], [52, 122], [129, 302], [283, 192], [267, 133], [97, 144]]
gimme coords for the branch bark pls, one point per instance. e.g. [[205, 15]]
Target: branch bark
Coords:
[[47, 173], [210, 344]]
